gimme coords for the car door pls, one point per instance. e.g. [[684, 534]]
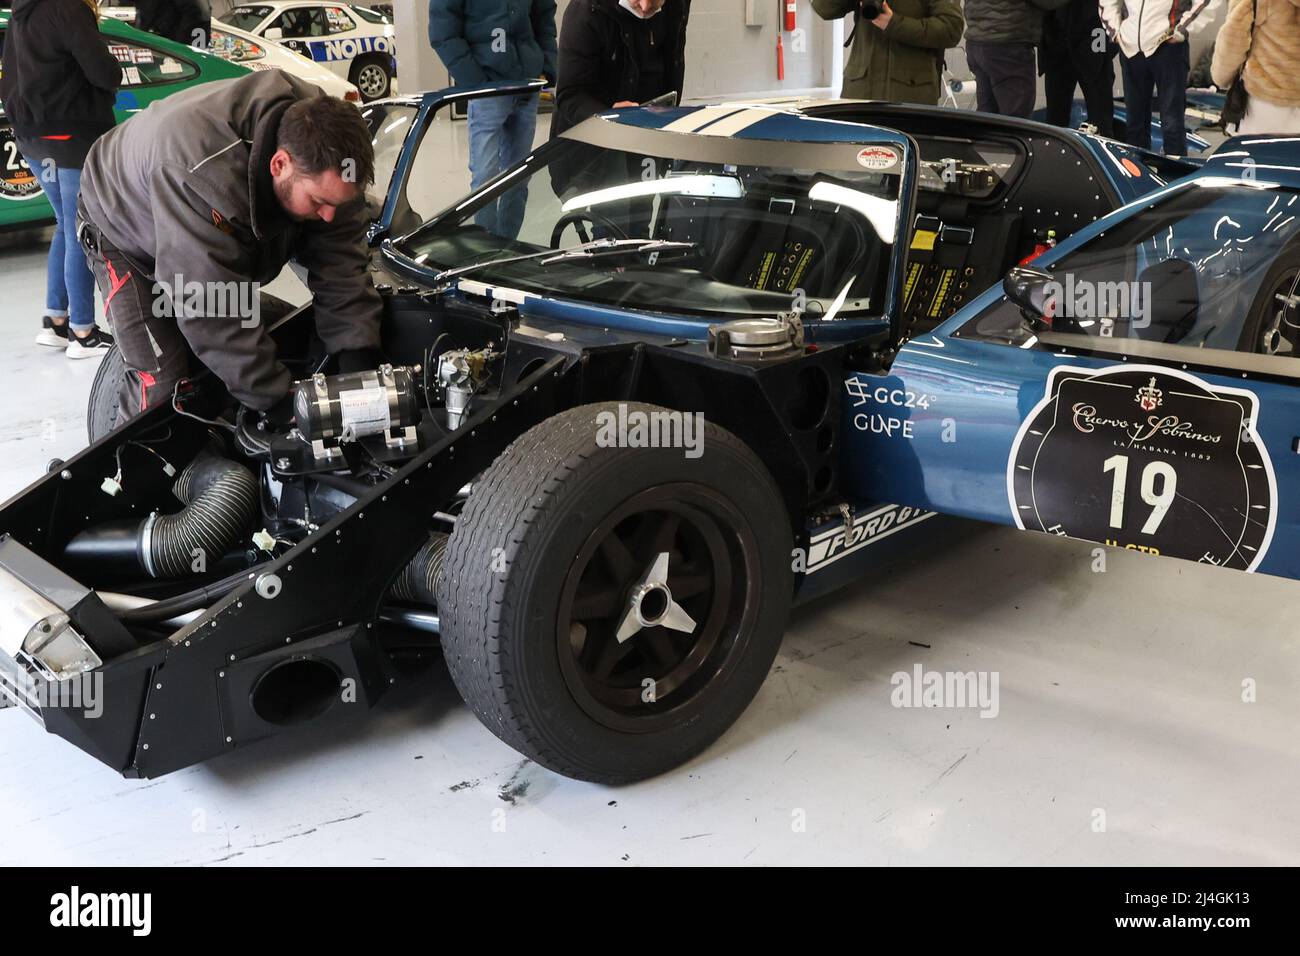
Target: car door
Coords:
[[1141, 390], [298, 27], [409, 177]]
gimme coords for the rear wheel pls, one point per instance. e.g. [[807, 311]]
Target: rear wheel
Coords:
[[371, 76], [101, 408], [610, 612], [1273, 324]]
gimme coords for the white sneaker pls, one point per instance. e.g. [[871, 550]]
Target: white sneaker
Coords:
[[90, 346], [55, 336]]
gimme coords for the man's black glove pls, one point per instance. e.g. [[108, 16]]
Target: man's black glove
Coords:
[[360, 360], [280, 415]]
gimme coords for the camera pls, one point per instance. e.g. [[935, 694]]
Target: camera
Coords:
[[870, 9]]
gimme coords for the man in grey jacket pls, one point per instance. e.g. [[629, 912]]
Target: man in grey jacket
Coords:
[[1001, 39], [186, 209]]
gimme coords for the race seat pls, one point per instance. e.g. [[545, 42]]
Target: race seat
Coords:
[[953, 255], [775, 243]]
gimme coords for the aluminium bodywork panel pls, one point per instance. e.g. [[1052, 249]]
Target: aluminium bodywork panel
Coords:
[[1161, 434]]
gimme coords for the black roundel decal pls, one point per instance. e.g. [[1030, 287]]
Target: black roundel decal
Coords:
[[1146, 458], [17, 180]]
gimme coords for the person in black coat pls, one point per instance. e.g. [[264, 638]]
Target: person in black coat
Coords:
[[1077, 51], [616, 53], [58, 82], [185, 21]]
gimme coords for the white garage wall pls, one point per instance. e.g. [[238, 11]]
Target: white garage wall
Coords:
[[723, 56]]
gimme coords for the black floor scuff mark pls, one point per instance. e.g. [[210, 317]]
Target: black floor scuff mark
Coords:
[[515, 788], [291, 836]]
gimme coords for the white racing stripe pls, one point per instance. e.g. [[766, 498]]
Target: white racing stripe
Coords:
[[691, 122], [733, 124]]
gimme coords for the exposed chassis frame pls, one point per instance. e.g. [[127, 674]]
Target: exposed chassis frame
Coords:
[[188, 697]]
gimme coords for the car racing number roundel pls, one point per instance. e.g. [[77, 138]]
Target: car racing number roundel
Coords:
[[17, 180], [1146, 458]]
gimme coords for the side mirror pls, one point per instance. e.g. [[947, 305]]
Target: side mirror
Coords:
[[1029, 289], [274, 33]]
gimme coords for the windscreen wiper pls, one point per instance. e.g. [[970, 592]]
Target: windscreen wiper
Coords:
[[581, 251], [446, 274], [604, 248]]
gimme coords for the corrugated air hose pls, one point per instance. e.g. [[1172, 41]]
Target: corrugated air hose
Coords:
[[220, 498], [220, 504], [418, 582]]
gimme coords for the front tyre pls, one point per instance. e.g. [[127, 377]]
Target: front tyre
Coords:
[[607, 611]]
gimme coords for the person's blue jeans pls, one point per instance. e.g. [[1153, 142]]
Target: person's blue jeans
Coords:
[[501, 130], [69, 286], [1163, 76]]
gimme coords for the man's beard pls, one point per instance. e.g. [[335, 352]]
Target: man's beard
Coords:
[[283, 193]]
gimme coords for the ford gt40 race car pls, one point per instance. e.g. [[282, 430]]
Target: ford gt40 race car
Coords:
[[357, 43], [710, 362]]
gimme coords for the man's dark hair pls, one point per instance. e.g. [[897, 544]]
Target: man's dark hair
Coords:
[[325, 133]]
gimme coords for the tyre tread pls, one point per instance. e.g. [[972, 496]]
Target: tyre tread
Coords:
[[523, 487]]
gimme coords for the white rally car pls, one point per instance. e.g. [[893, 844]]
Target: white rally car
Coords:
[[239, 46], [353, 41]]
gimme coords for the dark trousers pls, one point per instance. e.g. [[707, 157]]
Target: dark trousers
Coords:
[[154, 351], [1094, 73], [1006, 77], [1162, 77]]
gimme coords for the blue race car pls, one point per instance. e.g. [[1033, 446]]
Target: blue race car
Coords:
[[676, 371]]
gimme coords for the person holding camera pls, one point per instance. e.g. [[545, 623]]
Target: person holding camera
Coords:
[[617, 53], [896, 49]]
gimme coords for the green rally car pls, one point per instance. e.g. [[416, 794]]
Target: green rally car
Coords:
[[152, 67]]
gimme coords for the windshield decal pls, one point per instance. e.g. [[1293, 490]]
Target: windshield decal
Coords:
[[878, 157]]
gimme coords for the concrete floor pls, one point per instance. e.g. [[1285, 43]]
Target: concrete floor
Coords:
[[1121, 736]]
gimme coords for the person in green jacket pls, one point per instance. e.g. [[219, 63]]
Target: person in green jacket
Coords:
[[897, 54]]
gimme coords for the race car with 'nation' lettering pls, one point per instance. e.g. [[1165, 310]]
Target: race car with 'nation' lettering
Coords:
[[352, 40]]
